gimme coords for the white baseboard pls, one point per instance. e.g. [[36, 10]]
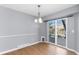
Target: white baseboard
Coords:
[[26, 45], [64, 47], [19, 47]]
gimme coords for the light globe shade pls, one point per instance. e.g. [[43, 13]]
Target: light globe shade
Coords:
[[40, 20], [35, 20]]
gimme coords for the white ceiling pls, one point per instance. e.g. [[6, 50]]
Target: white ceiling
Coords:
[[45, 9]]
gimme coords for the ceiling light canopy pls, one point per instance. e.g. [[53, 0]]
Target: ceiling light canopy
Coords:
[[38, 19]]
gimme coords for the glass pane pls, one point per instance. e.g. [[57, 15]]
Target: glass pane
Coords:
[[52, 31], [61, 30]]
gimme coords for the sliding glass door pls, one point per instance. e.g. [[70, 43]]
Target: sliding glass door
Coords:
[[61, 32], [57, 31], [52, 31]]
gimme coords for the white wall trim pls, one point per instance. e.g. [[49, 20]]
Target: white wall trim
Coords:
[[47, 32], [26, 45], [55, 32], [18, 35], [63, 47], [14, 49], [66, 32]]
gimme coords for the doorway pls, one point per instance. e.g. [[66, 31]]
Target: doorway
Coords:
[[56, 30]]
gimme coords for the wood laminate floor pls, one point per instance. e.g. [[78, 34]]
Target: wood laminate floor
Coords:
[[42, 49]]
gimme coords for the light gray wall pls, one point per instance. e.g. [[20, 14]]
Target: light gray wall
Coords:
[[71, 41], [16, 28], [76, 26], [43, 30], [78, 34]]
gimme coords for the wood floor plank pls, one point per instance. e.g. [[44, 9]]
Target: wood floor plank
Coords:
[[42, 49]]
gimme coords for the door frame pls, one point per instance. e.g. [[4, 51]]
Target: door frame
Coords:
[[56, 32]]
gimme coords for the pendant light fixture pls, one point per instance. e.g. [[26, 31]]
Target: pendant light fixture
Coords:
[[38, 19]]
